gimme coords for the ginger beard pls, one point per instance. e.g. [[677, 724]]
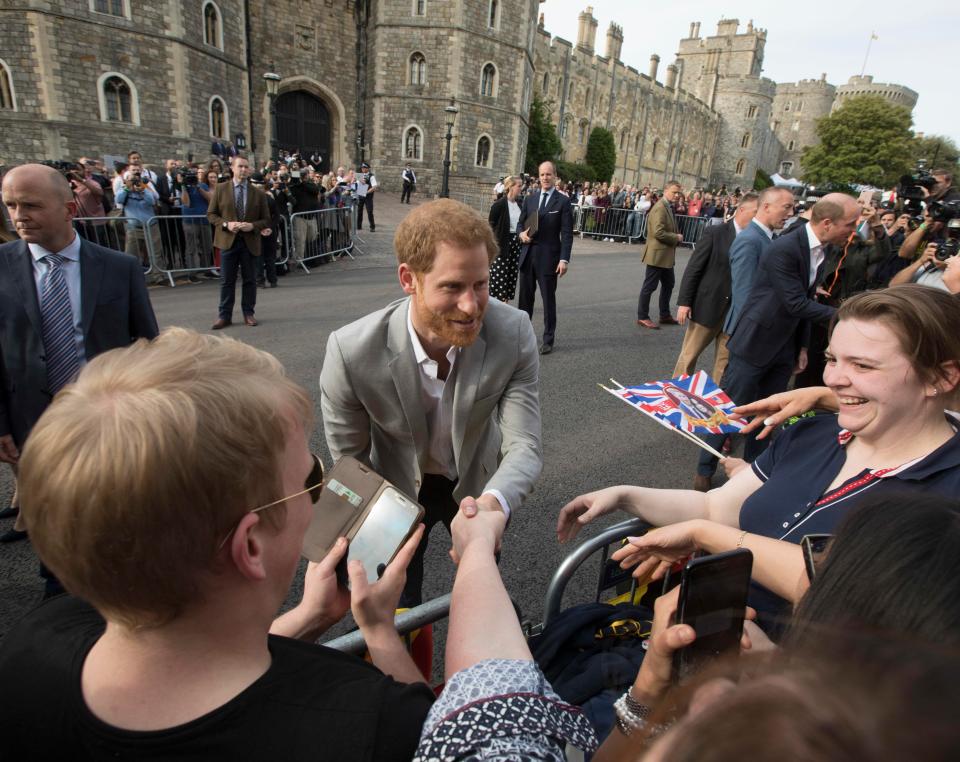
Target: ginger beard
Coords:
[[452, 326]]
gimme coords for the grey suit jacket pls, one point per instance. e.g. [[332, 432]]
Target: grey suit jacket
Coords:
[[370, 397], [745, 253]]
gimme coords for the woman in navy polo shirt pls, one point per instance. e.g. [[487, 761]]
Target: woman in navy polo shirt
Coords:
[[893, 366]]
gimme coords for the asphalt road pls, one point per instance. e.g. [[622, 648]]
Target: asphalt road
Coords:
[[590, 439]]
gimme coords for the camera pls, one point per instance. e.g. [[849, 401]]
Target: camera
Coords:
[[911, 189], [951, 246], [190, 177], [944, 211]]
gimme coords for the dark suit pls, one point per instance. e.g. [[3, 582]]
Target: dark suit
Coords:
[[237, 250], [115, 311], [171, 230], [499, 219], [552, 243], [705, 288], [774, 327]]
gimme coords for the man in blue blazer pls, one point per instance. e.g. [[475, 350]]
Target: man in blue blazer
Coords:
[[769, 342], [106, 301], [545, 255]]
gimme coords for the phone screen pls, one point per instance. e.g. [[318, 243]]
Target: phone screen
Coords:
[[713, 600], [388, 524]]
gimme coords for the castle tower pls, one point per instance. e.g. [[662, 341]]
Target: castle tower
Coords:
[[729, 53], [587, 31], [796, 108]]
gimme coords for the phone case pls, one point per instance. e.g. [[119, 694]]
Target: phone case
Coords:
[[349, 490]]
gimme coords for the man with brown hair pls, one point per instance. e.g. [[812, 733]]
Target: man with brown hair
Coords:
[[178, 526], [402, 388], [659, 255]]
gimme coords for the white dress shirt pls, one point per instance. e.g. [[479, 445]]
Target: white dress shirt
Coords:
[[437, 397], [514, 208], [71, 272], [816, 253], [764, 228]]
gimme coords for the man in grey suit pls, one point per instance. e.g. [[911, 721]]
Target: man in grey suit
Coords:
[[438, 392], [63, 300]]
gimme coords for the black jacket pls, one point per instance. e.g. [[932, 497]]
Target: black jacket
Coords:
[[705, 287], [500, 222]]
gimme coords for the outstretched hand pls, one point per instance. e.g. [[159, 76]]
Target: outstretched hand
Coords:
[[583, 509], [772, 411], [485, 530], [655, 552]]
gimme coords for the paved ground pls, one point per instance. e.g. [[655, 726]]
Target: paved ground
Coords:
[[590, 439]]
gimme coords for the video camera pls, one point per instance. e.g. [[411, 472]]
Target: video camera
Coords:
[[951, 245], [911, 189], [190, 177]]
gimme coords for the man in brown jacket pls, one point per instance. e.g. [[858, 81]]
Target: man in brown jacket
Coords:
[[238, 212], [659, 255]]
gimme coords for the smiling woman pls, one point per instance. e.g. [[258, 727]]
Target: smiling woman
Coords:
[[893, 372]]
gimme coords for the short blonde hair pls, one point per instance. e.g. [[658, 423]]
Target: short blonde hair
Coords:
[[134, 475], [441, 221]]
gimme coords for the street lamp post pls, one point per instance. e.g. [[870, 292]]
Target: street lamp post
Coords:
[[451, 112], [272, 81]]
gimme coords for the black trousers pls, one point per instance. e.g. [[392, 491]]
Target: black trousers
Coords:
[[405, 194], [237, 257], [436, 496], [534, 274], [267, 261], [366, 203], [654, 276]]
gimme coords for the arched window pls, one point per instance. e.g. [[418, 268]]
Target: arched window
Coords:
[[418, 69], [745, 140], [546, 82], [582, 132], [483, 151], [493, 14], [488, 80], [559, 87], [119, 8], [118, 99], [218, 118], [586, 97], [212, 27], [656, 148], [623, 139], [413, 143], [740, 166], [8, 99], [565, 126], [790, 145], [636, 144]]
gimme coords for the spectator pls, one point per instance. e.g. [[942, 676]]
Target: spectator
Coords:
[[267, 261], [198, 235], [169, 187], [504, 218], [137, 200], [170, 648], [695, 204], [134, 166], [88, 194], [893, 369], [304, 195]]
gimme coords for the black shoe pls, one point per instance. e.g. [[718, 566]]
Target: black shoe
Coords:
[[9, 513], [273, 284], [373, 228], [261, 284], [14, 535], [546, 349]]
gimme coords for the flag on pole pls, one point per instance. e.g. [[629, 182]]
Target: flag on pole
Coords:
[[693, 404]]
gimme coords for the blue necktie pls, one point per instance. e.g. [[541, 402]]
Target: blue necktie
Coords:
[[56, 317], [543, 200]]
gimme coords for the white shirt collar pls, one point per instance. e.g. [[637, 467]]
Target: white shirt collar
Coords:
[[736, 227], [423, 359], [71, 251], [764, 228], [812, 238]]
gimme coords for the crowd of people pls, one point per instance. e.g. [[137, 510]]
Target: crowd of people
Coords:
[[177, 537]]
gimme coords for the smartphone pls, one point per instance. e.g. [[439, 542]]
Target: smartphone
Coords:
[[295, 173], [388, 525], [713, 600]]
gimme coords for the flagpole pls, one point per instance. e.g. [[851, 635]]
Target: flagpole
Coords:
[[873, 36]]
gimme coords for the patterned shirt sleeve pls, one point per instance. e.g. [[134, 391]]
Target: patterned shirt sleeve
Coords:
[[505, 710]]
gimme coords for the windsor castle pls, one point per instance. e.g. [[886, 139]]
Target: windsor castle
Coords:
[[376, 79]]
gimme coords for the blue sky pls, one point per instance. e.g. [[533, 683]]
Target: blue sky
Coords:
[[803, 41]]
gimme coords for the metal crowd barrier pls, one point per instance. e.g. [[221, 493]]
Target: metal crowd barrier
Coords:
[[609, 222], [112, 233], [691, 228], [181, 244], [323, 233]]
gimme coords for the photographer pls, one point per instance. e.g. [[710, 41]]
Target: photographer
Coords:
[[929, 269], [169, 187], [943, 190], [304, 195], [88, 194], [198, 237], [137, 200], [267, 261]]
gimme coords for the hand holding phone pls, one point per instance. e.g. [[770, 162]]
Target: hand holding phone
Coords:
[[713, 600], [374, 603]]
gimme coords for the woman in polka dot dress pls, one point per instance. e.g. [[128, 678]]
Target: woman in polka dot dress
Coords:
[[504, 217]]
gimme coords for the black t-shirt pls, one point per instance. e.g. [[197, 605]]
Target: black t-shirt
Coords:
[[313, 704]]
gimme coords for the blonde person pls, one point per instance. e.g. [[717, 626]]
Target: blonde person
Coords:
[[177, 537]]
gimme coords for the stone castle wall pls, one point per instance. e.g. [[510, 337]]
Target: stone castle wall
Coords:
[[797, 107]]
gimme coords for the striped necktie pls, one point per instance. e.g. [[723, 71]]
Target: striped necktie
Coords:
[[56, 317], [240, 205]]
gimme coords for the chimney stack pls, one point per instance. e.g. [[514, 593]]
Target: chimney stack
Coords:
[[654, 65], [671, 76], [587, 31], [614, 41]]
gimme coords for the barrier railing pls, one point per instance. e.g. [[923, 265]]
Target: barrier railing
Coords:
[[691, 228], [323, 233], [118, 233], [182, 244], [625, 224]]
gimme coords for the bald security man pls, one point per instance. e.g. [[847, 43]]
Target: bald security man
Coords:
[[63, 300]]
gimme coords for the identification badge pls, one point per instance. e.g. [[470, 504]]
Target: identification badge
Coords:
[[345, 492]]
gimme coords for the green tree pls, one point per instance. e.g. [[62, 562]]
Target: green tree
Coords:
[[601, 154], [937, 152], [543, 143], [761, 180], [867, 140], [569, 171]]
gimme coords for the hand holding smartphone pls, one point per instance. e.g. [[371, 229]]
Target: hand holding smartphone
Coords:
[[713, 600]]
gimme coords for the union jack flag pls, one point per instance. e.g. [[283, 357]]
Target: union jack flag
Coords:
[[693, 404]]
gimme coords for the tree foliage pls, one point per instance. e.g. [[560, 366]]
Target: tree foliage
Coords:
[[543, 143], [937, 152], [601, 153], [761, 180], [867, 140], [571, 172]]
